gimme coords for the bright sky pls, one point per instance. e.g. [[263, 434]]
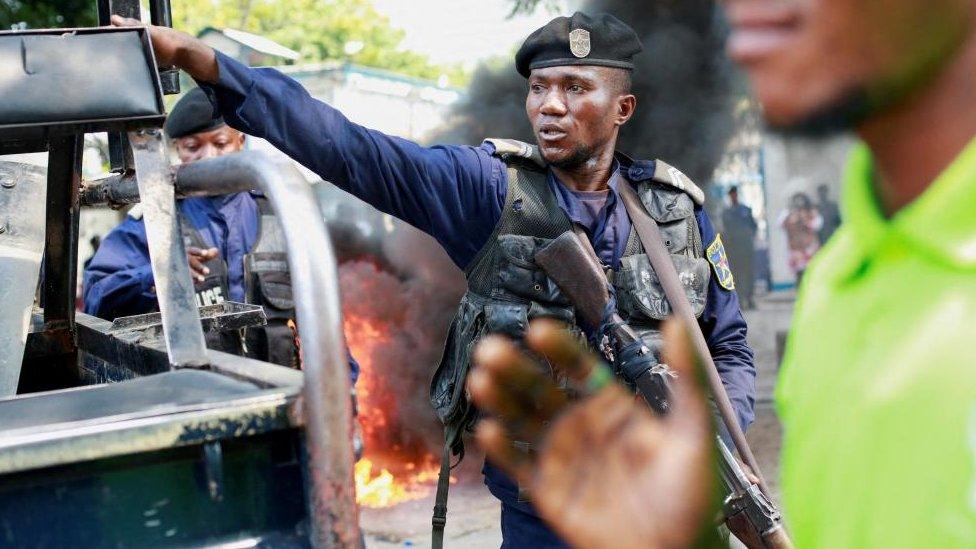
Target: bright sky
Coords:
[[452, 31]]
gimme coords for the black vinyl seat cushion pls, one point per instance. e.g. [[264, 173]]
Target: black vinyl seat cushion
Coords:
[[93, 74], [156, 394]]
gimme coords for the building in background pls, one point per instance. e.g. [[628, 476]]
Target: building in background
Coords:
[[768, 168], [794, 164]]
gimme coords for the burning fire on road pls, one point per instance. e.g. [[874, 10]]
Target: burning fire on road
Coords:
[[398, 299]]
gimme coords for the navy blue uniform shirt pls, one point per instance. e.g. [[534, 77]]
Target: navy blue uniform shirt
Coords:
[[454, 193], [119, 279]]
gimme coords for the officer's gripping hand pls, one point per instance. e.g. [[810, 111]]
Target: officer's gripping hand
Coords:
[[178, 49], [607, 473], [196, 257]]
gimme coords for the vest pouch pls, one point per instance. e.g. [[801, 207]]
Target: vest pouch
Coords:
[[447, 387], [274, 343], [520, 277], [275, 292], [563, 314], [665, 203], [640, 295], [510, 319]]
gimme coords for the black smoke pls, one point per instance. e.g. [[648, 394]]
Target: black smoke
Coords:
[[684, 84]]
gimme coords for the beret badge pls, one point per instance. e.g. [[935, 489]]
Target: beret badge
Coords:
[[579, 42]]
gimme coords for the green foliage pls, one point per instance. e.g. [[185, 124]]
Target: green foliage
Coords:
[[41, 14], [318, 29], [529, 6]]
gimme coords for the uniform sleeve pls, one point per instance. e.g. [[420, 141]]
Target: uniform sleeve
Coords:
[[725, 332], [119, 278], [453, 193]]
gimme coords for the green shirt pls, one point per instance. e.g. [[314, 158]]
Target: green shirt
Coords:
[[878, 389]]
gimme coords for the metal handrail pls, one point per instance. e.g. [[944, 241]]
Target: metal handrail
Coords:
[[326, 392]]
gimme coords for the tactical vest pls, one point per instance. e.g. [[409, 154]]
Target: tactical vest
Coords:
[[506, 289], [267, 283]]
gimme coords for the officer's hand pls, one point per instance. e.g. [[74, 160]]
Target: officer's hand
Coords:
[[607, 473], [196, 257], [178, 49]]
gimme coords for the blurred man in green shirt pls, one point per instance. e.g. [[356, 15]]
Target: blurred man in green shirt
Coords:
[[878, 389]]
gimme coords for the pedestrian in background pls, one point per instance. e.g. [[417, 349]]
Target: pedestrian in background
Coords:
[[802, 223], [740, 233], [830, 213]]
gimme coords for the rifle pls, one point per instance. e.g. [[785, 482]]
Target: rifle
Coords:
[[571, 263]]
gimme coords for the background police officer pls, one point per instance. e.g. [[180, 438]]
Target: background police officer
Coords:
[[119, 281], [219, 233], [488, 205]]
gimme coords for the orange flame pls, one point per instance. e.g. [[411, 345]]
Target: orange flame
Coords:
[[376, 486]]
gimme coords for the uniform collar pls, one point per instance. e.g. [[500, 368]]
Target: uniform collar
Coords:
[[941, 223], [635, 170]]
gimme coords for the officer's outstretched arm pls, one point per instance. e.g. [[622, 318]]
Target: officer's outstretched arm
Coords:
[[453, 193], [607, 473]]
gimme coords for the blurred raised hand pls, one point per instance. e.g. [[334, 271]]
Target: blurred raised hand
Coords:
[[606, 473]]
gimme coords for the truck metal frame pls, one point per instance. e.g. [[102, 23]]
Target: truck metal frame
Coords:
[[132, 433]]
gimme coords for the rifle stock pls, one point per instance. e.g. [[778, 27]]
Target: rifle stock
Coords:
[[578, 276]]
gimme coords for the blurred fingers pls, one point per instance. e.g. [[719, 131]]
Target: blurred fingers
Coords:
[[501, 451], [553, 341], [507, 384], [689, 409]]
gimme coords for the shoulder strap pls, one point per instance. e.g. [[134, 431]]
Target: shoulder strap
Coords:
[[511, 149], [439, 519], [669, 175], [650, 236]]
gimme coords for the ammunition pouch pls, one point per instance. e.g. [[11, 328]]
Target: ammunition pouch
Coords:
[[640, 295], [267, 282], [274, 343], [447, 387]]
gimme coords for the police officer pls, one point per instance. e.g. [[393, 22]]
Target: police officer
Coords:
[[221, 234], [740, 229], [490, 206]]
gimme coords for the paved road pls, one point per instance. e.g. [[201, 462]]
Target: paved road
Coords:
[[473, 513]]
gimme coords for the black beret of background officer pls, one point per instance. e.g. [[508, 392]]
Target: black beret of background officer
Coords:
[[193, 113], [581, 39]]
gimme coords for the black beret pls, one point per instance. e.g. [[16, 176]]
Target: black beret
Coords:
[[192, 114], [579, 40]]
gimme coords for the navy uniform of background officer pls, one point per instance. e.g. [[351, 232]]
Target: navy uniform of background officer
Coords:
[[489, 206], [222, 235]]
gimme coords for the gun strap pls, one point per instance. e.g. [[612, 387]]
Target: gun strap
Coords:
[[657, 253], [439, 519]]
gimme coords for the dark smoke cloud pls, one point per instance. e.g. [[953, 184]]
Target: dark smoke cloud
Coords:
[[683, 82]]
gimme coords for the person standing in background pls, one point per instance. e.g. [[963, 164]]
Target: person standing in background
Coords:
[[830, 213], [802, 223], [740, 232]]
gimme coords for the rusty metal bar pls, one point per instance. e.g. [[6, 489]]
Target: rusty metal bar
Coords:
[[119, 190], [327, 404], [174, 287]]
